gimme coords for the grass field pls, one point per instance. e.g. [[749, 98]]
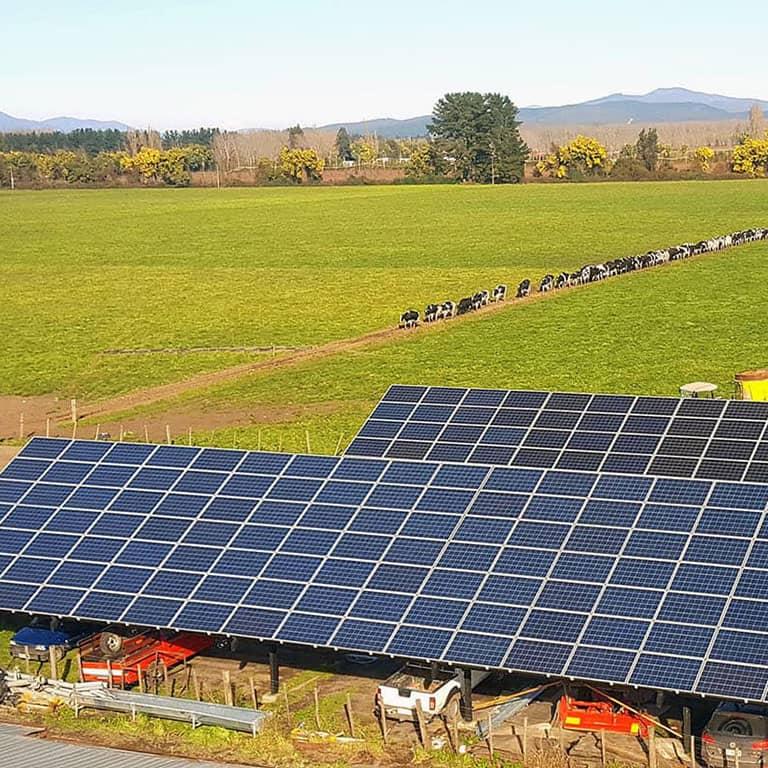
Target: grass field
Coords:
[[87, 271], [647, 332]]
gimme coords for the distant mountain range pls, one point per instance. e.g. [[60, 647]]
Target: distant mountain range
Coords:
[[11, 124], [664, 105]]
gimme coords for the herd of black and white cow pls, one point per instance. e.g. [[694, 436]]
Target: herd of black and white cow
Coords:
[[590, 273]]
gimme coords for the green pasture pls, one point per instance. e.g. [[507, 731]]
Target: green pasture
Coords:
[[83, 272], [643, 333]]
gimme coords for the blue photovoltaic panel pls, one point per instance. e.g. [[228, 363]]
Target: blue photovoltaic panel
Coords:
[[571, 572], [670, 437]]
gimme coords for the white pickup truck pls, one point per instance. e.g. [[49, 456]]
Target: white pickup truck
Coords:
[[438, 692]]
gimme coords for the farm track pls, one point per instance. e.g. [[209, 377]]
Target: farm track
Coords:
[[141, 397], [103, 409]]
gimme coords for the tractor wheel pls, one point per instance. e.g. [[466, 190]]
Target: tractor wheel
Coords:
[[111, 644]]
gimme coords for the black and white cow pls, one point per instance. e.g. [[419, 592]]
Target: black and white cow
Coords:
[[409, 319], [465, 305], [589, 273], [447, 309]]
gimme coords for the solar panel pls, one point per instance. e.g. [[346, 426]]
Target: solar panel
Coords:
[[671, 437], [621, 578]]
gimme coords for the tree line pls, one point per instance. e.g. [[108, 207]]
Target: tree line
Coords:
[[472, 137], [92, 141], [584, 157]]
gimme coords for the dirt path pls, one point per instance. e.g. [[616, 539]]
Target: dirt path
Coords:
[[180, 420], [130, 400]]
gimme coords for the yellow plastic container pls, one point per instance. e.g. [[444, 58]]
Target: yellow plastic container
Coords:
[[753, 385]]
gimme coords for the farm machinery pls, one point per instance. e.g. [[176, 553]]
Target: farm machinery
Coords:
[[121, 660]]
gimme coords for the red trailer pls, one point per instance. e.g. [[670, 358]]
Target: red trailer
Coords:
[[118, 660], [601, 716]]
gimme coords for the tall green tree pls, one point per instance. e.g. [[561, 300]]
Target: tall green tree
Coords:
[[343, 144], [481, 133], [647, 148], [295, 136]]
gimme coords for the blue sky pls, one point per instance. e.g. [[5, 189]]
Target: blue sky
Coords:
[[237, 64]]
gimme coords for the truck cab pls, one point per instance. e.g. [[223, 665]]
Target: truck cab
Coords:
[[437, 690]]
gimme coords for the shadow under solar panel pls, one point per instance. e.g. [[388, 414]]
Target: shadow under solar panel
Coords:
[[600, 576]]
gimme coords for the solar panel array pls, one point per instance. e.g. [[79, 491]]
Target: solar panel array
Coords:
[[669, 437], [651, 581]]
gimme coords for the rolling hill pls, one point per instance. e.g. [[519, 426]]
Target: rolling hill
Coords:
[[663, 105], [11, 124]]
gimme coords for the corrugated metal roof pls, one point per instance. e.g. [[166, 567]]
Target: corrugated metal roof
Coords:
[[19, 748]]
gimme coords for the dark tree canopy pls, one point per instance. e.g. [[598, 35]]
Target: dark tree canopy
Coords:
[[86, 139], [481, 133], [344, 144], [202, 136], [295, 136], [647, 148]]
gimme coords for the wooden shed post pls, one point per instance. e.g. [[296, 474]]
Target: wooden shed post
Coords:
[[466, 695], [274, 670]]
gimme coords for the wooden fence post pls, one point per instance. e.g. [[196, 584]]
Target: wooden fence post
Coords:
[[603, 750], [48, 426], [146, 434], [168, 434], [383, 721], [316, 695], [350, 716], [693, 751], [228, 698], [651, 748], [490, 738], [52, 657], [422, 725], [196, 685], [79, 667], [309, 447], [254, 693], [21, 426]]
